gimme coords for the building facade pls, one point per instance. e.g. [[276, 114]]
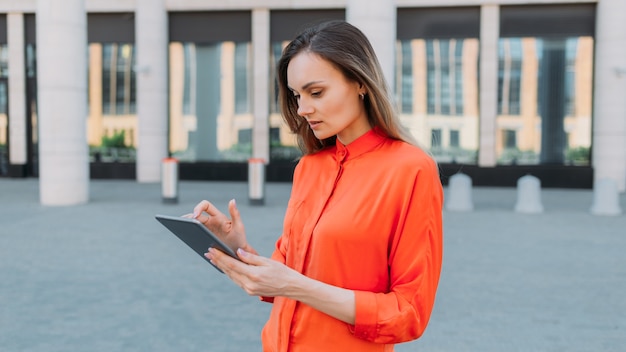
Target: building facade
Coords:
[[494, 89]]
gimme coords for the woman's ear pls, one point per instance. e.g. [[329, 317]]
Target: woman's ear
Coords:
[[362, 90]]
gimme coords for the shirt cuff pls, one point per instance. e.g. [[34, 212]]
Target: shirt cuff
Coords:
[[365, 322]]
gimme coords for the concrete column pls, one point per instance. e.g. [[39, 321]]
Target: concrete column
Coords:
[[151, 43], [17, 92], [377, 19], [260, 82], [62, 101], [489, 35], [609, 130]]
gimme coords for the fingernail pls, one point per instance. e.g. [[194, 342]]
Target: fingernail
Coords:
[[241, 252]]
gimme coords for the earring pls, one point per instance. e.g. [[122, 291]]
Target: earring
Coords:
[[362, 96]]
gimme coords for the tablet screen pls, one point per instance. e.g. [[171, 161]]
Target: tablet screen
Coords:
[[195, 235]]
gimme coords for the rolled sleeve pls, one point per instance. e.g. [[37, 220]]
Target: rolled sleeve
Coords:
[[366, 321]]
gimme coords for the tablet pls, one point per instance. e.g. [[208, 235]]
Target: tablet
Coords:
[[195, 235]]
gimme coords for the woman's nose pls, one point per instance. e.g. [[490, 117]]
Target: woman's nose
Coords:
[[304, 108]]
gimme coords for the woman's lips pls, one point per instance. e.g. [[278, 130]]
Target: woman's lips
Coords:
[[314, 124]]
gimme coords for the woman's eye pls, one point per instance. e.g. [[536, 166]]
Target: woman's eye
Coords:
[[316, 94]]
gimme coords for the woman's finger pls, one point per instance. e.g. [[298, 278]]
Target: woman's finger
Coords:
[[250, 258], [230, 266], [235, 216], [206, 207], [200, 208]]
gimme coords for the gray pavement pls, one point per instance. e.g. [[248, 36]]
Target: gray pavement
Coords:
[[105, 276]]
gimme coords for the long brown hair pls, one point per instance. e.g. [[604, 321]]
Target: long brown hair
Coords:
[[349, 50]]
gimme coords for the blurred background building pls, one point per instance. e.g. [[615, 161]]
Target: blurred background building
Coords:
[[496, 89]]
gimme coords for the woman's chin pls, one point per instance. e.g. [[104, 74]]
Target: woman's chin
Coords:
[[321, 135]]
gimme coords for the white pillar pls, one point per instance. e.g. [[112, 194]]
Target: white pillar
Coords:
[[609, 130], [260, 96], [605, 198], [529, 195], [489, 34], [152, 116], [17, 91], [459, 197], [62, 101], [377, 20]]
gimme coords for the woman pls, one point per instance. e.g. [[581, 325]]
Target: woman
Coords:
[[358, 262]]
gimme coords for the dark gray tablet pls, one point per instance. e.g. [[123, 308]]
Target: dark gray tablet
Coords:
[[195, 235]]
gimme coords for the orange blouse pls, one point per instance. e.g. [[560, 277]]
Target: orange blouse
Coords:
[[366, 217]]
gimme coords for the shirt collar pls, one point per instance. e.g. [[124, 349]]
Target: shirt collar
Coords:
[[368, 141]]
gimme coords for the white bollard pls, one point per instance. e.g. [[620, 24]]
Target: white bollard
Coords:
[[605, 198], [256, 181], [169, 180], [529, 195], [460, 193]]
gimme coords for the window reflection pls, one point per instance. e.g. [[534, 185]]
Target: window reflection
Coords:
[[437, 84], [544, 100], [31, 106], [210, 107], [112, 92], [406, 78], [4, 120], [445, 77], [509, 76], [283, 144], [118, 79]]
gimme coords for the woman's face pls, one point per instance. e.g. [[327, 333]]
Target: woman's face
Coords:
[[326, 99]]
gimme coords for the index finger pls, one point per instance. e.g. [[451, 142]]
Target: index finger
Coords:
[[229, 265], [207, 207]]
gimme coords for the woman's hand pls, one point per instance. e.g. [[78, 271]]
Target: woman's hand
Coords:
[[258, 276], [230, 230]]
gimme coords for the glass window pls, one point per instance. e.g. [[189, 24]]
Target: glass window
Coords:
[[445, 76], [454, 138], [570, 76], [435, 141], [210, 108], [275, 54], [283, 144], [4, 76], [4, 120], [31, 61], [242, 93], [458, 78], [3, 104], [31, 104], [4, 61], [112, 96], [118, 79], [405, 89], [510, 139], [443, 86], [509, 76], [188, 80], [544, 100]]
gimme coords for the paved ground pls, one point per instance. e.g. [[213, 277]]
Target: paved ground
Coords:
[[106, 276]]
